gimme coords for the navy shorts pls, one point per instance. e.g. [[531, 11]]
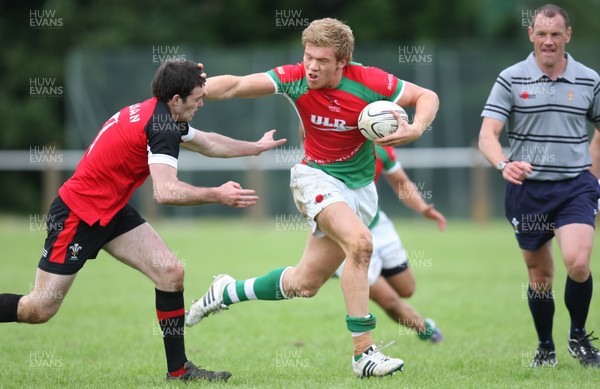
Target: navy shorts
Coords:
[[537, 208], [71, 241]]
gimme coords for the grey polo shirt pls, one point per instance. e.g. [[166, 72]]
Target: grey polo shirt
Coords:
[[546, 120]]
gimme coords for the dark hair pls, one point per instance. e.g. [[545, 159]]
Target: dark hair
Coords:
[[176, 78], [550, 11]]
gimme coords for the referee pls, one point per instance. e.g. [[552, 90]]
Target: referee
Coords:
[[545, 102]]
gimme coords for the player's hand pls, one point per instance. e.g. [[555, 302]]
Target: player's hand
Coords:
[[431, 213], [516, 172], [406, 133], [267, 142], [232, 194]]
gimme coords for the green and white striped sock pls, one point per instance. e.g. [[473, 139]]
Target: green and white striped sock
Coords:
[[266, 287]]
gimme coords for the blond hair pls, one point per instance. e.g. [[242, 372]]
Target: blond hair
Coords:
[[330, 32]]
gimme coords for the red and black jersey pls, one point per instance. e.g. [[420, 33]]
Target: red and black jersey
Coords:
[[116, 162]]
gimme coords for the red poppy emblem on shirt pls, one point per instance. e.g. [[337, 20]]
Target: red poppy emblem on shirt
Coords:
[[524, 95], [319, 198]]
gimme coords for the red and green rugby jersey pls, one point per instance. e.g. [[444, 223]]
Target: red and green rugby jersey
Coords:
[[385, 163], [329, 116], [386, 160]]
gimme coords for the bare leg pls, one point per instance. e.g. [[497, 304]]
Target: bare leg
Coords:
[[343, 226], [400, 311], [142, 249], [321, 258], [540, 267], [48, 293], [347, 237], [576, 242], [403, 283]]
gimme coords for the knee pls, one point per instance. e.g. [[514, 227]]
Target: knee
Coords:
[[36, 312], [407, 292], [360, 248], [390, 305], [171, 276], [540, 278], [40, 316], [579, 272]]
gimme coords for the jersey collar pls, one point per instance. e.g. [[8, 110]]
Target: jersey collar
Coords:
[[537, 73]]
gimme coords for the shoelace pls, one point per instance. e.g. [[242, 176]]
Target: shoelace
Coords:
[[542, 354], [378, 349], [391, 342], [585, 344]]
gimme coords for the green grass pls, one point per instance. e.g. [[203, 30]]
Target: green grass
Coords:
[[469, 279]]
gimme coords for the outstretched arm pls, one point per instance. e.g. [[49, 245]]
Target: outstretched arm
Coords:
[[228, 86], [409, 194], [216, 145], [168, 190]]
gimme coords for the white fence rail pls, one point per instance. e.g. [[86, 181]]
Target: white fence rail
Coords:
[[53, 163], [43, 158]]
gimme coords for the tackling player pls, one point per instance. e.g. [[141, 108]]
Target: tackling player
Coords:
[[333, 186], [92, 212]]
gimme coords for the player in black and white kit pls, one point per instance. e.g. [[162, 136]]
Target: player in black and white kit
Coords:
[[545, 102]]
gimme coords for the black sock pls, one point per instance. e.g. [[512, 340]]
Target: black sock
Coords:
[[578, 296], [8, 307], [541, 305], [170, 311]]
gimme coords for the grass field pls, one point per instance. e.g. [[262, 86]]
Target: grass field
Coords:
[[470, 279]]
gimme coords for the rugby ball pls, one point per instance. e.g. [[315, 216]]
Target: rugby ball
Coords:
[[376, 119]]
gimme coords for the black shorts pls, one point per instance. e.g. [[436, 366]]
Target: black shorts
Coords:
[[71, 241], [537, 208], [387, 273]]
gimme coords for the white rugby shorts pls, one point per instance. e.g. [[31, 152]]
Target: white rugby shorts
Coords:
[[388, 252], [313, 190]]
